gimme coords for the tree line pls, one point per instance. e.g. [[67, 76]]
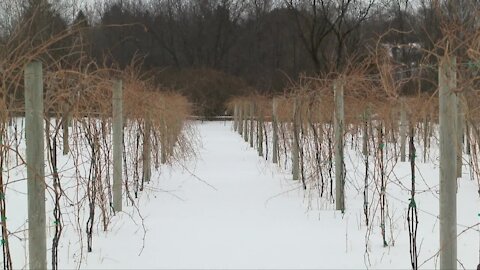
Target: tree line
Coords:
[[211, 50]]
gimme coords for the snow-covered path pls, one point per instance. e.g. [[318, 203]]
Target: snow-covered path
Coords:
[[229, 208], [247, 221]]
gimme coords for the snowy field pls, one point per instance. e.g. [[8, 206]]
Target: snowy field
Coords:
[[230, 208]]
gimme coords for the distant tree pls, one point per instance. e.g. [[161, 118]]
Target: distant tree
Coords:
[[79, 42], [208, 89], [269, 51], [40, 25], [42, 21], [325, 26]]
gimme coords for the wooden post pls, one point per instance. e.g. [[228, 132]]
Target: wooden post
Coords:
[[467, 134], [37, 245], [147, 149], [365, 133], [245, 122], [235, 117], [260, 134], [296, 143], [425, 136], [460, 130], [252, 123], [69, 120], [448, 152], [163, 135], [275, 131], [117, 144], [339, 127], [240, 119], [403, 130], [66, 146]]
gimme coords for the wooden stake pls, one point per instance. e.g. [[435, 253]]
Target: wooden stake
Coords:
[[235, 123], [164, 135], [275, 131], [66, 146], [448, 151], [260, 134], [460, 130], [252, 123], [37, 245], [403, 130], [240, 120], [296, 143], [339, 129], [117, 144], [147, 149], [365, 133], [245, 123]]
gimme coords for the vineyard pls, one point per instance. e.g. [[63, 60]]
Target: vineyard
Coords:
[[373, 161], [124, 146]]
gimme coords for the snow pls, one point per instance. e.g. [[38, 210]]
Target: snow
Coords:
[[231, 209]]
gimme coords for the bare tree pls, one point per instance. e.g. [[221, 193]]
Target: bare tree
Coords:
[[319, 20]]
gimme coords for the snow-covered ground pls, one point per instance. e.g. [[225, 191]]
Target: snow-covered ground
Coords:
[[230, 208]]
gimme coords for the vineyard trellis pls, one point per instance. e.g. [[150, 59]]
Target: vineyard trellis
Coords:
[[386, 124], [73, 112]]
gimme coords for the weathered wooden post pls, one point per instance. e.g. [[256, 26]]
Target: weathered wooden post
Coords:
[[37, 245], [164, 135], [245, 121], [240, 119], [275, 130], [260, 134], [296, 141], [403, 130], [467, 134], [252, 123], [460, 122], [65, 120], [147, 149], [366, 117], [426, 134], [235, 117], [117, 144], [339, 127], [447, 78]]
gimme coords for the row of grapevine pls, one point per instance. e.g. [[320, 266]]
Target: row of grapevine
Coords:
[[317, 125], [104, 131]]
